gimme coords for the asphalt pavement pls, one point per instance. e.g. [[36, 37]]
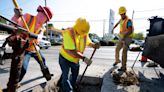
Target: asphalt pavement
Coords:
[[102, 64]]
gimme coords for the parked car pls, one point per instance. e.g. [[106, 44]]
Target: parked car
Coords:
[[109, 40], [57, 39], [94, 37], [104, 41], [5, 52], [136, 45], [44, 43]]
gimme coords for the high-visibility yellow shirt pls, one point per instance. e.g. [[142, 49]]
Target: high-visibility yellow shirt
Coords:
[[0, 89], [71, 41]]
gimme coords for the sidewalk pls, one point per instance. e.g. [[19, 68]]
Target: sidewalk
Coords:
[[151, 80]]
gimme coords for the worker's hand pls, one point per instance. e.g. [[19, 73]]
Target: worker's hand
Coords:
[[112, 30], [18, 12], [96, 45], [40, 36], [87, 61]]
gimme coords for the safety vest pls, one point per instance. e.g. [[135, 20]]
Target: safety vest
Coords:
[[123, 27], [79, 43], [31, 22], [0, 89]]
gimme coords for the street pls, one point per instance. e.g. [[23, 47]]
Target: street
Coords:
[[102, 62]]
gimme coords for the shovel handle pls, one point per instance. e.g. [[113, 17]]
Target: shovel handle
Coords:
[[87, 65], [93, 53], [16, 6]]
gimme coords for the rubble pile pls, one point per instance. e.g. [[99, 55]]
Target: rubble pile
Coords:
[[124, 78]]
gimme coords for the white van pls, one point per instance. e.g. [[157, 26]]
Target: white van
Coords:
[[44, 43]]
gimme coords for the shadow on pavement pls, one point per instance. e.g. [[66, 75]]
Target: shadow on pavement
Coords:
[[3, 70], [90, 84], [109, 85], [48, 86], [31, 80], [37, 88], [151, 85]]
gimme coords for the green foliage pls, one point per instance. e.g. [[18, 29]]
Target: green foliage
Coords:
[[138, 36], [3, 21]]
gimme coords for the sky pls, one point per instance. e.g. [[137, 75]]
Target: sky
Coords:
[[95, 11]]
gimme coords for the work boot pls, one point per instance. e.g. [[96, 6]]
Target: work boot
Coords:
[[75, 89], [152, 64], [122, 69], [115, 63]]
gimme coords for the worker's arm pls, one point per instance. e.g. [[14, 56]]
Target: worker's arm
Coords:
[[130, 31], [77, 54], [94, 45], [115, 25], [56, 30], [16, 17], [81, 56]]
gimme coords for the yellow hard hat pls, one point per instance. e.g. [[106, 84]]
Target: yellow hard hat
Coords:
[[122, 10], [82, 26]]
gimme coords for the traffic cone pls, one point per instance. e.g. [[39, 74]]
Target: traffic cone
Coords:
[[143, 59]]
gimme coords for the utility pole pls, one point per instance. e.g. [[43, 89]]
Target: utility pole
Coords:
[[104, 27], [46, 23], [111, 21], [133, 15]]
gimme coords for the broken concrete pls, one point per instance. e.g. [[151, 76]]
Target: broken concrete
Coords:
[[149, 81]]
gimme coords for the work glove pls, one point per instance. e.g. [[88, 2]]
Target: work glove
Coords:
[[40, 36], [87, 61], [96, 45], [18, 11]]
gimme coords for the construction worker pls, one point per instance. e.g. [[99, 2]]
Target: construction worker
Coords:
[[125, 38], [75, 40], [35, 24], [0, 89]]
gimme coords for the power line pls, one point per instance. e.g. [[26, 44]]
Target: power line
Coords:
[[159, 9], [23, 3]]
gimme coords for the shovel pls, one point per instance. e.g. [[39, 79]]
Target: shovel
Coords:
[[87, 65]]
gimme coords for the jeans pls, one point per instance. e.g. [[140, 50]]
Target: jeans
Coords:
[[26, 60], [68, 82]]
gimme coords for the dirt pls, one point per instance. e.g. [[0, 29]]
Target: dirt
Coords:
[[88, 84], [125, 78]]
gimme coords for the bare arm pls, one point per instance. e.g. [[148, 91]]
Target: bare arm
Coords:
[[115, 25], [130, 31], [56, 30], [77, 54], [94, 45]]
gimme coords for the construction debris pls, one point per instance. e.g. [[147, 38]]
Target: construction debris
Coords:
[[124, 78]]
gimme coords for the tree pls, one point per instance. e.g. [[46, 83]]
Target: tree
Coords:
[[3, 21], [138, 36]]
